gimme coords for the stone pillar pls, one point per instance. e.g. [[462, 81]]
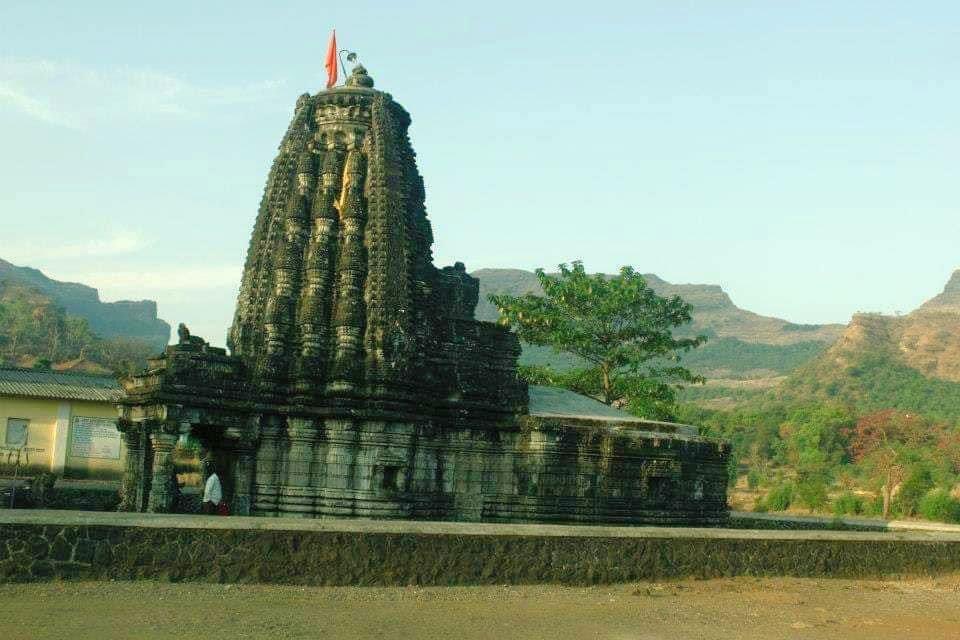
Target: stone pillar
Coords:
[[301, 432], [163, 481], [133, 434], [266, 477], [243, 469], [297, 496], [243, 482], [340, 455]]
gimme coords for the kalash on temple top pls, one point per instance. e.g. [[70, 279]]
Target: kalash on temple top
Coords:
[[359, 382]]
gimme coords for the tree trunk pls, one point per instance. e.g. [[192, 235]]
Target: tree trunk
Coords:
[[54, 344], [887, 492], [607, 392]]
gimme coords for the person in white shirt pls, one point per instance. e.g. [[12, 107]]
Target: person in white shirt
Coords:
[[212, 494]]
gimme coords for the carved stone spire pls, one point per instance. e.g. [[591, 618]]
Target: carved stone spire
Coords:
[[339, 295]]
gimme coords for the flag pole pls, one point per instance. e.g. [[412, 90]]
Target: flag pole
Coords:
[[351, 56]]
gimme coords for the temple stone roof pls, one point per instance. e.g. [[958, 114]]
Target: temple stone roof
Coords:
[[60, 386], [554, 402]]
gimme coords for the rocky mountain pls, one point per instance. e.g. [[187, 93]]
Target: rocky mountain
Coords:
[[948, 299], [926, 340], [122, 319], [909, 362], [742, 345]]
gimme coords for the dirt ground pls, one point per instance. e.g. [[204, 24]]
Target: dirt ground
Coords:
[[728, 608]]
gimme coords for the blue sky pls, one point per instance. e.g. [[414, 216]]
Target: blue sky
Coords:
[[803, 155]]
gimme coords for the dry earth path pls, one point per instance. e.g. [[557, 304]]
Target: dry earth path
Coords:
[[727, 608]]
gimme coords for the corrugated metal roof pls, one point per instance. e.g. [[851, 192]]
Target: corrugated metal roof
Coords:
[[60, 386]]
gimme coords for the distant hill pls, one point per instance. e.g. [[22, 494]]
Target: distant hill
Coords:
[[122, 319], [742, 345], [909, 362], [36, 332]]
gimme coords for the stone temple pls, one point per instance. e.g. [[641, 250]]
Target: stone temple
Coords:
[[359, 384]]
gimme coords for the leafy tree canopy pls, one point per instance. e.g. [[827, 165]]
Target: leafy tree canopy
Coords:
[[618, 326]]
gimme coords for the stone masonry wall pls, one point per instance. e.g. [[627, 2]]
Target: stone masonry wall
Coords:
[[195, 548]]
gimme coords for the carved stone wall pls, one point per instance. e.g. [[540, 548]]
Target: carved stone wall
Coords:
[[545, 471]]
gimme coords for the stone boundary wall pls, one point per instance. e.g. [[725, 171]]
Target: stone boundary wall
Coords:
[[765, 521], [40, 545], [750, 520]]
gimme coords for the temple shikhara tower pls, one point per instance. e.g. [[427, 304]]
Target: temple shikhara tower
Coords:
[[358, 382]]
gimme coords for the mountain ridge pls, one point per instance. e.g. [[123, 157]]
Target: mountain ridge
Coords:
[[742, 345], [135, 319], [907, 362], [715, 313]]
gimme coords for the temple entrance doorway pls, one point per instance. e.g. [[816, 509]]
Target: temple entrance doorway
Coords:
[[212, 457]]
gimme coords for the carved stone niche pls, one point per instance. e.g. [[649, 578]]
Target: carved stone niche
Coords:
[[389, 477]]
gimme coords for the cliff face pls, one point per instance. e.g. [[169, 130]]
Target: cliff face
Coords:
[[926, 340], [124, 318], [948, 299], [909, 362], [929, 342]]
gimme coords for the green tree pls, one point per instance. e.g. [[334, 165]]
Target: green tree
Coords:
[[19, 326], [919, 481], [33, 327], [618, 326], [78, 337], [813, 444], [123, 356], [887, 443], [939, 505]]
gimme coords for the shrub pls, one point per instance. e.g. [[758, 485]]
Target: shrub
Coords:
[[759, 506], [733, 469], [811, 492], [873, 507], [940, 506], [753, 479], [780, 498], [913, 489], [848, 504]]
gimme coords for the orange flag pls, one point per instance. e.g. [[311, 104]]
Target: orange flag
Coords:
[[331, 64]]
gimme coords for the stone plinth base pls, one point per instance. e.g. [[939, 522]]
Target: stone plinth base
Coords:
[[547, 469]]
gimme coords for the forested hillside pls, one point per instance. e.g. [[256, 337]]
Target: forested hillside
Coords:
[[35, 331], [136, 319], [870, 424]]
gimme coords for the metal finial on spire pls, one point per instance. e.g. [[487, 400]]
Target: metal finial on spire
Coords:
[[358, 76], [351, 57]]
